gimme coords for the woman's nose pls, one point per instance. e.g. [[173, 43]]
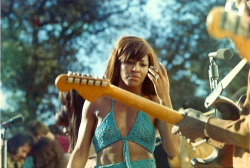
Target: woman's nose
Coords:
[[135, 67]]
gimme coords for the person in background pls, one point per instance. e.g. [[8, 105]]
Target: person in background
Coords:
[[188, 151], [234, 132], [18, 147], [72, 104], [39, 129], [48, 154], [69, 116], [237, 132], [123, 136], [56, 129]]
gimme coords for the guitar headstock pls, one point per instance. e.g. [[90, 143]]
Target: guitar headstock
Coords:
[[88, 87], [224, 22]]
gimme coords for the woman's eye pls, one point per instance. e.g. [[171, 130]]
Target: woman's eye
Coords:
[[144, 65]]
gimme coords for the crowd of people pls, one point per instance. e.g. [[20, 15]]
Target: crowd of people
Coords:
[[107, 133], [37, 147]]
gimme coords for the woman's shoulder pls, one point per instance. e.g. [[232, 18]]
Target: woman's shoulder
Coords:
[[100, 102]]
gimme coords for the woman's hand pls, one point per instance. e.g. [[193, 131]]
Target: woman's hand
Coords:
[[159, 77]]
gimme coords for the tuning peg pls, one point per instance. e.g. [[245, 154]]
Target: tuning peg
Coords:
[[89, 76], [228, 6], [104, 77], [69, 73], [76, 73]]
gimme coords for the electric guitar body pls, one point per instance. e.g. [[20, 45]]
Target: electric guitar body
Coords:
[[228, 110], [228, 24]]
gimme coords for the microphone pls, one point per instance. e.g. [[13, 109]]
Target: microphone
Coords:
[[13, 121], [222, 54]]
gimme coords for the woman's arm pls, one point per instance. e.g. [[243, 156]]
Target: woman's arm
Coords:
[[80, 153], [171, 143]]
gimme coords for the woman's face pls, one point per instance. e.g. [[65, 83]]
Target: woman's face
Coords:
[[134, 72]]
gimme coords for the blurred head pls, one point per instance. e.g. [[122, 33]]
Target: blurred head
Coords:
[[38, 129], [72, 104], [19, 146], [130, 48], [55, 129], [48, 153]]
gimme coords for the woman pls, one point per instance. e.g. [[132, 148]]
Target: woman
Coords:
[[122, 135], [69, 117], [71, 112]]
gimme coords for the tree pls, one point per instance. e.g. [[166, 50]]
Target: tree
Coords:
[[181, 41], [41, 40]]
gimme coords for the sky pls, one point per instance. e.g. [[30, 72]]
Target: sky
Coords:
[[98, 67], [2, 98]]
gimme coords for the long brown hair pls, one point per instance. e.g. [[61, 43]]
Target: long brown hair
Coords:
[[135, 48], [48, 153], [73, 103]]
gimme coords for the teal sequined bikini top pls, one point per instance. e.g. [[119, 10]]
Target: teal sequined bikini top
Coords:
[[142, 133]]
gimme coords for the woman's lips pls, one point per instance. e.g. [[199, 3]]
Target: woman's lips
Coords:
[[134, 77]]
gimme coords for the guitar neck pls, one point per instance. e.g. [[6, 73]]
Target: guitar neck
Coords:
[[90, 89], [160, 112]]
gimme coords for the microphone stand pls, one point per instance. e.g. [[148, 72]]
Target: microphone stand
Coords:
[[4, 137], [213, 74]]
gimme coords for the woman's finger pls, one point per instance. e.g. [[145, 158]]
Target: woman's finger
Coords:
[[163, 69]]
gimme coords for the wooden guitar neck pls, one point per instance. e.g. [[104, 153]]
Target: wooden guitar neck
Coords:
[[161, 112], [92, 88]]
